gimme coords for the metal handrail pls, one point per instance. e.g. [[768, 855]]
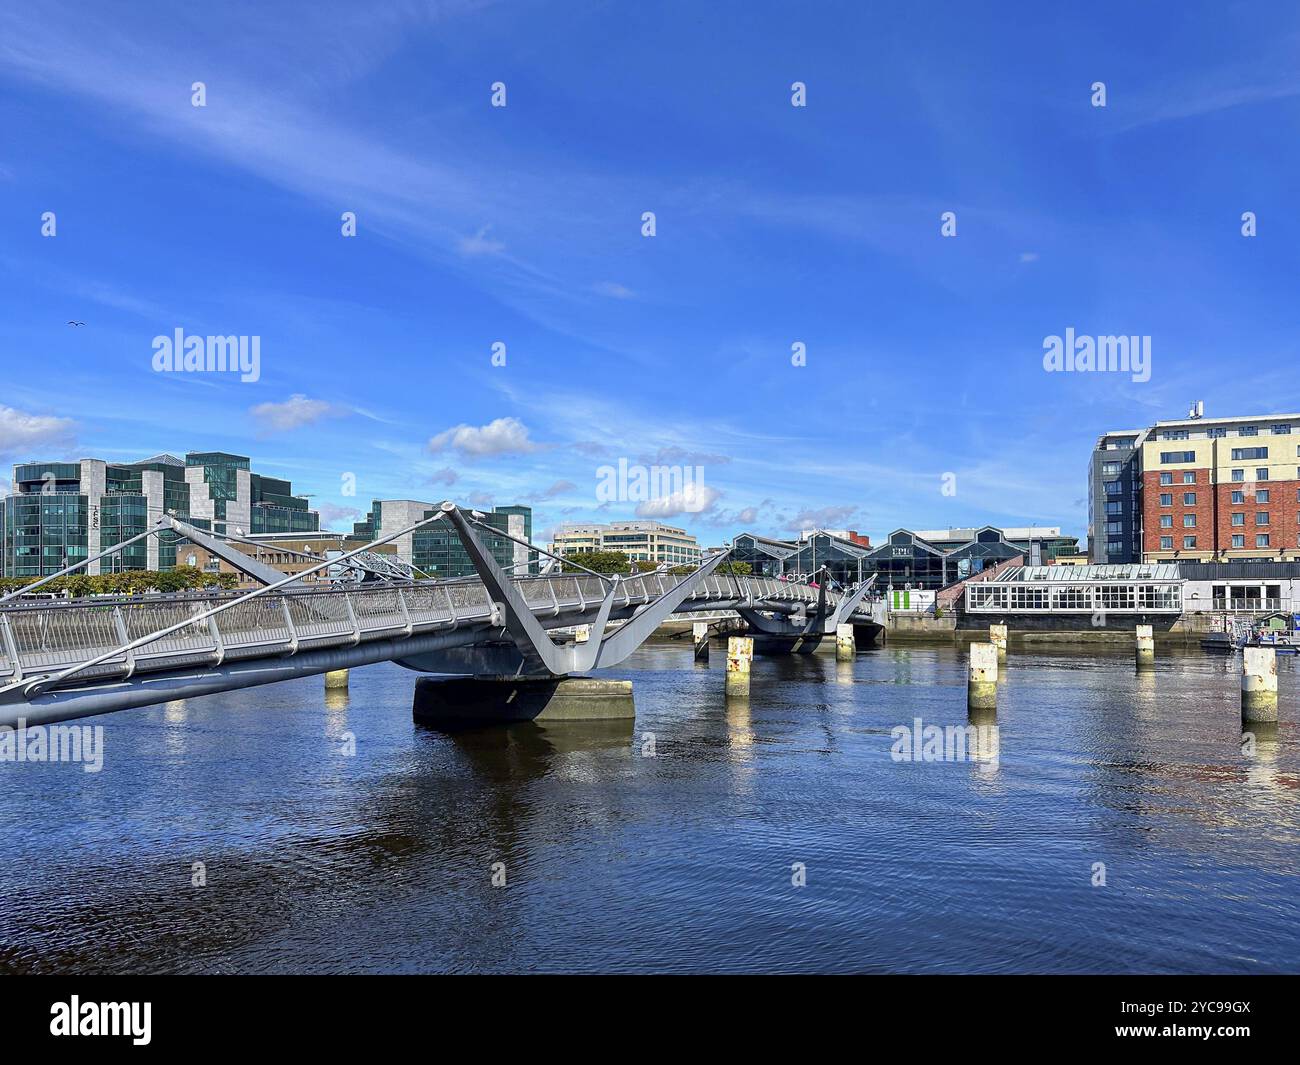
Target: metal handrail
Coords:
[[44, 636]]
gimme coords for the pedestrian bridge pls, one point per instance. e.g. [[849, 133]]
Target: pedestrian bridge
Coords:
[[64, 659]]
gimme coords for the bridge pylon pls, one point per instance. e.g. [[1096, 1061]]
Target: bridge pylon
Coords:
[[527, 674]]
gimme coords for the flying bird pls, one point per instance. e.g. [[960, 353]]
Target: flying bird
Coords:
[[76, 323]]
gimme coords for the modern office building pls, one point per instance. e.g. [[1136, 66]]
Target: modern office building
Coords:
[[436, 550], [641, 541], [1115, 498], [62, 512]]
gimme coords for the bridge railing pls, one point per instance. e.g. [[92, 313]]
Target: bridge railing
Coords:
[[42, 637]]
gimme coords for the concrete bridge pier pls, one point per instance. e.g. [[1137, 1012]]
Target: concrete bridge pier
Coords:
[[740, 656], [477, 702], [982, 679], [846, 646], [336, 678], [700, 634], [998, 638], [1258, 684], [1146, 647]]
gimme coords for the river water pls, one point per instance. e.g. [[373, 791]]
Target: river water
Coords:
[[236, 834]]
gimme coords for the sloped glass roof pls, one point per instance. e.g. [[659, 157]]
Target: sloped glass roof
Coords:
[[1133, 571]]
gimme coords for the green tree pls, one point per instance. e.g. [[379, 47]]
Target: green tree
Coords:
[[598, 562]]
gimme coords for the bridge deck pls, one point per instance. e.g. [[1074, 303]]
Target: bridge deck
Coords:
[[44, 638]]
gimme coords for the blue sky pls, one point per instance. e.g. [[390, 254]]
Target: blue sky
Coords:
[[775, 224]]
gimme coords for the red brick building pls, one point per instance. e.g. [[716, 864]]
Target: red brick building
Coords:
[[1221, 488]]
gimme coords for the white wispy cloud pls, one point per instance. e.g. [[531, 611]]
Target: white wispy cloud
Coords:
[[480, 244], [503, 436], [296, 411], [20, 430], [691, 498]]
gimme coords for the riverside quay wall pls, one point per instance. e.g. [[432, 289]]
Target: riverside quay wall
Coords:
[[1047, 630]]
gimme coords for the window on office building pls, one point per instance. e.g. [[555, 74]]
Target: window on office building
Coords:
[[1261, 474], [1109, 469], [1167, 457], [1216, 434], [1189, 476], [1189, 521], [1189, 499], [1280, 430], [1239, 497], [1166, 478], [1166, 499], [1261, 517], [1238, 475], [1166, 521], [1248, 430], [1240, 453], [1166, 543], [1189, 542], [1261, 495], [1176, 434], [1261, 540], [1113, 488], [1238, 541], [1239, 519]]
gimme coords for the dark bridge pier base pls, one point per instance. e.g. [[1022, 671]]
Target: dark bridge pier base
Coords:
[[475, 702]]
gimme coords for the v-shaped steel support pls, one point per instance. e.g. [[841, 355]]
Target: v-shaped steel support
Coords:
[[532, 639], [848, 604]]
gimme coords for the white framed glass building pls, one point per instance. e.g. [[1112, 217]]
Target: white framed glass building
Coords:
[[1126, 589]]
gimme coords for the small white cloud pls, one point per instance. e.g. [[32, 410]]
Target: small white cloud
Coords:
[[446, 475], [480, 244], [613, 290], [20, 430], [293, 413], [693, 498], [1029, 256], [504, 436]]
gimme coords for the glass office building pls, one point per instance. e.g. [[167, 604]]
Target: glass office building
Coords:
[[60, 513], [436, 550]]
